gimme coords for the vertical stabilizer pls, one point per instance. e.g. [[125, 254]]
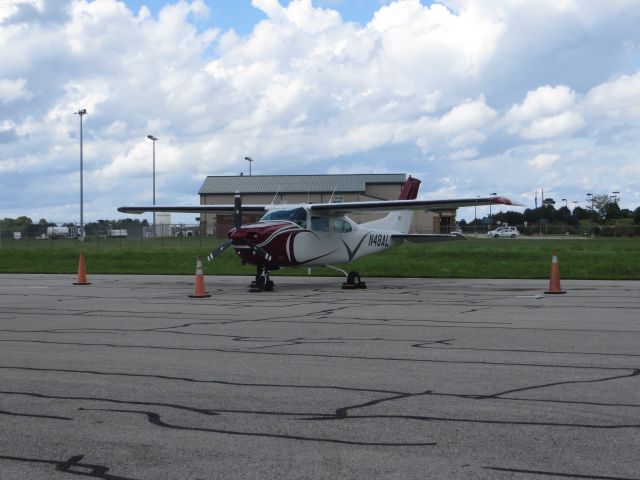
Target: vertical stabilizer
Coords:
[[399, 220], [410, 189]]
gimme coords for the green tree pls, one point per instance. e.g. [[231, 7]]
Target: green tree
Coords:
[[612, 211], [600, 203]]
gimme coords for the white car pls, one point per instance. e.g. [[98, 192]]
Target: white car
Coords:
[[511, 232]]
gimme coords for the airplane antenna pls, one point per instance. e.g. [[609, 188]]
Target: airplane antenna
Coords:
[[275, 196], [333, 193]]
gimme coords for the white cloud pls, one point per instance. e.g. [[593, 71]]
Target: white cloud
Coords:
[[544, 160], [13, 90], [545, 112], [617, 99], [468, 90]]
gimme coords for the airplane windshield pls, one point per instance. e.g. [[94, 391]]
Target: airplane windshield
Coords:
[[296, 215]]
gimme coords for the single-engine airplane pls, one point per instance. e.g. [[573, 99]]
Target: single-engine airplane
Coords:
[[321, 234]]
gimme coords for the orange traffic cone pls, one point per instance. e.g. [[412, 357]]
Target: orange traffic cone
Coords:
[[200, 292], [82, 273], [554, 280]]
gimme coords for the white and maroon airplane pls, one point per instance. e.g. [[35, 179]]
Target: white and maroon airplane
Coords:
[[321, 234]]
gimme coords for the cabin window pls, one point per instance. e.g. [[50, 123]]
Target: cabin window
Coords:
[[341, 225], [320, 224]]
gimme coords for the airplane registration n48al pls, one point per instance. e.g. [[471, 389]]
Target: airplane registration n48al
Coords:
[[322, 234]]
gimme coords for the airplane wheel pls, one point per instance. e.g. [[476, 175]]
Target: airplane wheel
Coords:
[[353, 278], [269, 286], [261, 282], [353, 281]]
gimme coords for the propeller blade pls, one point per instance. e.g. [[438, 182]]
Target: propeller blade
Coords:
[[237, 210], [221, 248]]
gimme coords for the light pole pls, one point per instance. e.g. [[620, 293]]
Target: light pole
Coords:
[[615, 196], [490, 215], [81, 112], [475, 216], [567, 207], [590, 195], [250, 160], [154, 140]]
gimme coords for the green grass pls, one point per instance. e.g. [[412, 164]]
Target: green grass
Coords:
[[598, 258]]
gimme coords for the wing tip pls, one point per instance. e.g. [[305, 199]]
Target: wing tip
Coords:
[[506, 201]]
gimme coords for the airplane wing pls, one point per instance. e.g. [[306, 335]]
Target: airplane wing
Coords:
[[334, 209], [219, 209], [429, 237]]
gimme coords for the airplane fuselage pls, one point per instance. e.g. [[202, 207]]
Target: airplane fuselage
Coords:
[[306, 240]]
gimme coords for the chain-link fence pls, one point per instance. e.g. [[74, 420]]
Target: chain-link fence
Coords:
[[559, 229], [137, 232]]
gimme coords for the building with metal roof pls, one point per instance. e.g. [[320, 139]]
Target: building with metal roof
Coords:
[[298, 184], [291, 189]]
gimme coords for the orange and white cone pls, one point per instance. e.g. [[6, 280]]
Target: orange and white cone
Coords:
[[200, 291], [554, 279], [82, 273]]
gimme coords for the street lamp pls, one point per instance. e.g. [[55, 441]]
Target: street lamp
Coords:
[[490, 215], [475, 216], [250, 160], [81, 112], [154, 140]]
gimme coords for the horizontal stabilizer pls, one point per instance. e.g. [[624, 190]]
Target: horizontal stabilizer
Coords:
[[430, 237]]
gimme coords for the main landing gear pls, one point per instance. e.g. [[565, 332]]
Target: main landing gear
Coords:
[[353, 279], [262, 283]]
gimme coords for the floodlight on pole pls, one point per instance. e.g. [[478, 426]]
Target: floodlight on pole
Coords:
[[154, 140], [616, 196], [475, 215], [81, 112], [490, 215], [250, 160]]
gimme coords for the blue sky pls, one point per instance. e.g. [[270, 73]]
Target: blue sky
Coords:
[[470, 96], [242, 16]]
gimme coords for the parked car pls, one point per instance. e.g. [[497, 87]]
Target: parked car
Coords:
[[511, 232]]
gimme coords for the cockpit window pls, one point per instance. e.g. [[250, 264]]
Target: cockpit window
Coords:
[[296, 215]]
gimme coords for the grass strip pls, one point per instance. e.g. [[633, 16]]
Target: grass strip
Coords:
[[597, 259]]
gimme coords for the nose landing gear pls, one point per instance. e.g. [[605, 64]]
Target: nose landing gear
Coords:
[[262, 283]]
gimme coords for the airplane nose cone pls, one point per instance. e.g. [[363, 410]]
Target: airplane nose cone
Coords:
[[244, 234]]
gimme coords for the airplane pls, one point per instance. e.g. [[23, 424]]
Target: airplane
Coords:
[[322, 234]]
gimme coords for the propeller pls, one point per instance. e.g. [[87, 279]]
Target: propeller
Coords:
[[237, 217]]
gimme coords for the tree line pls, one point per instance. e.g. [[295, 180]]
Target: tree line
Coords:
[[602, 210]]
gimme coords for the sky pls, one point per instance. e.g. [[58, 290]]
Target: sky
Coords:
[[473, 97]]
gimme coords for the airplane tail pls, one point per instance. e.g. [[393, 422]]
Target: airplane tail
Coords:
[[399, 220]]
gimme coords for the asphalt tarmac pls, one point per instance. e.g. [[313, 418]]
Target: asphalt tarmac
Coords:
[[129, 378]]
